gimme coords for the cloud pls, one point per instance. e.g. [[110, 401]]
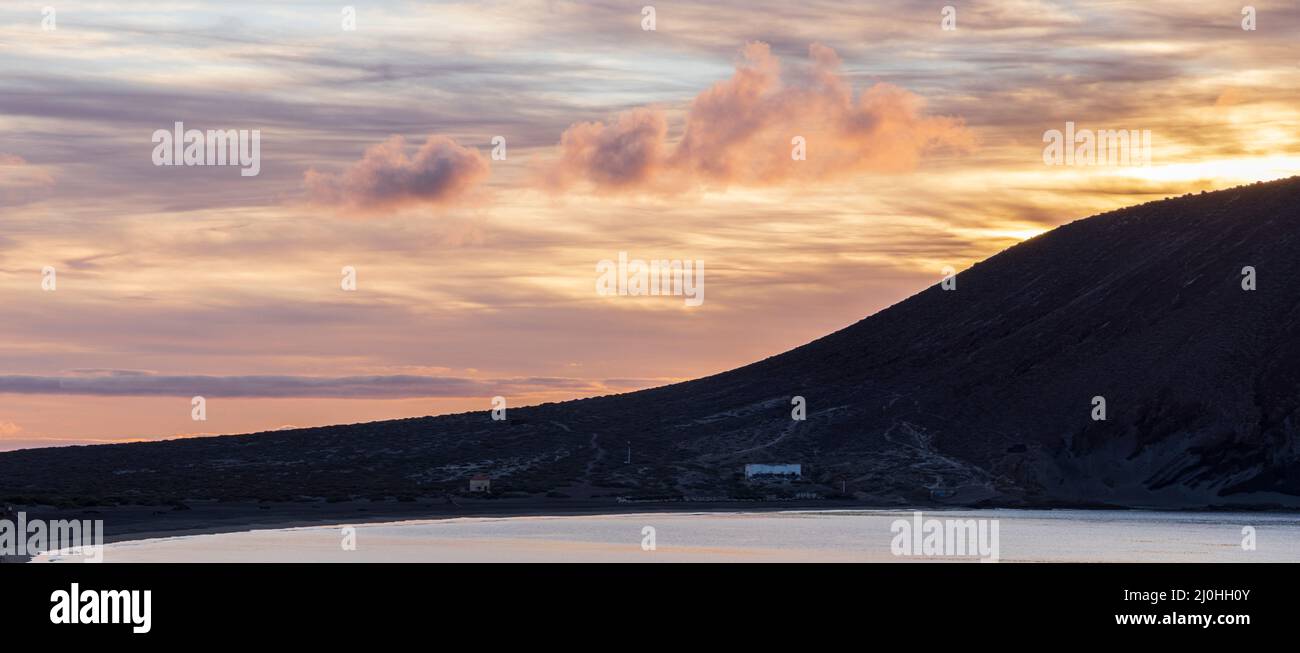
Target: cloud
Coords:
[[8, 429], [386, 179], [130, 383], [741, 131], [624, 154], [21, 182]]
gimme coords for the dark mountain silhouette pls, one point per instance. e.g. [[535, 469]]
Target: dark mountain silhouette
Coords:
[[984, 392]]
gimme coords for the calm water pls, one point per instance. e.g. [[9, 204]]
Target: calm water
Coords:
[[796, 536]]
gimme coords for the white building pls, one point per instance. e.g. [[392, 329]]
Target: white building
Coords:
[[480, 483], [787, 470]]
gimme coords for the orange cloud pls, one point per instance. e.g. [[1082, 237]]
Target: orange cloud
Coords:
[[386, 179], [741, 131]]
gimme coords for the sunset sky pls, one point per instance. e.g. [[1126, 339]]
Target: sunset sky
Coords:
[[476, 277]]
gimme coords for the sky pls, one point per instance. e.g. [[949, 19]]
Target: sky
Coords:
[[820, 160]]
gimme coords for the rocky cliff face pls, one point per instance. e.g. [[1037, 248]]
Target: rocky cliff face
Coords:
[[986, 390]]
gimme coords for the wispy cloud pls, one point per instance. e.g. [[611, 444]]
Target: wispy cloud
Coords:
[[21, 182], [120, 383]]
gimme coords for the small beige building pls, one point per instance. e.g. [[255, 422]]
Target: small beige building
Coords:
[[480, 483]]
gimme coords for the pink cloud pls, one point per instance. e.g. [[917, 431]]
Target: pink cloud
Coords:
[[22, 182], [442, 172], [624, 154], [740, 131]]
